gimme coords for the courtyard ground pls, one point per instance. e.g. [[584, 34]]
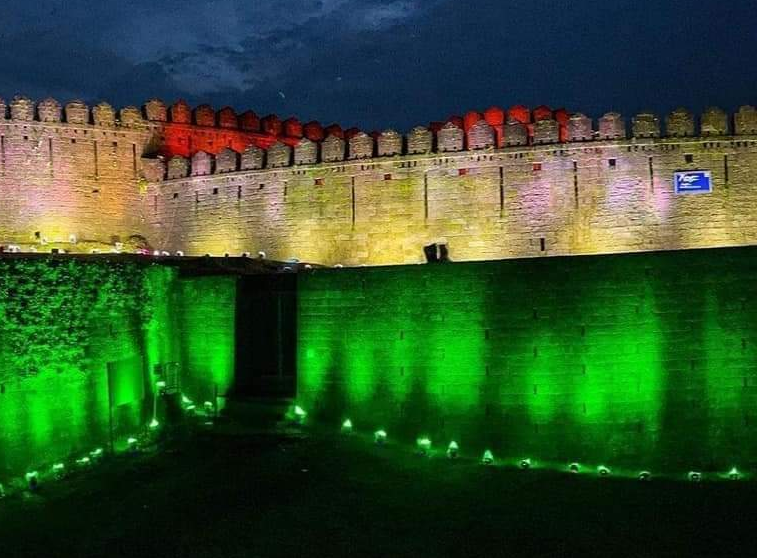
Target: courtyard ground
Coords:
[[239, 493]]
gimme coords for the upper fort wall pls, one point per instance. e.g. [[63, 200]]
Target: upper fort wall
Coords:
[[543, 183], [491, 184]]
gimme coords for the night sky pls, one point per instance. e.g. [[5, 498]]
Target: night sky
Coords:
[[386, 63]]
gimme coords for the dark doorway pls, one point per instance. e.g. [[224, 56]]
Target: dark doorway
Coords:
[[266, 330]]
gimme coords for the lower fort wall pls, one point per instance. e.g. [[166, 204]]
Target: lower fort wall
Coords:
[[66, 384], [633, 360], [579, 198]]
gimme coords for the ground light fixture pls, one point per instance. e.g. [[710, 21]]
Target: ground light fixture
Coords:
[[59, 471], [603, 471], [734, 474], [452, 450], [84, 462], [32, 480], [379, 437], [645, 476], [525, 464], [347, 427], [424, 445], [296, 413], [574, 468], [487, 458], [96, 454], [2, 491], [694, 476], [132, 445], [154, 423]]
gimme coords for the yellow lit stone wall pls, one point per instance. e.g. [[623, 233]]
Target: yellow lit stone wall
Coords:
[[488, 204]]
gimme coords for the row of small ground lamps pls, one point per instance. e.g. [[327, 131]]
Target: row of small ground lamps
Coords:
[[59, 471], [423, 444]]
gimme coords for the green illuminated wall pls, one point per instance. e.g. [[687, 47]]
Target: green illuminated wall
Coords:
[[638, 360], [78, 339]]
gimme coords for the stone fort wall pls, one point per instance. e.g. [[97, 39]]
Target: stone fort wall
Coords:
[[521, 189], [630, 360], [497, 184]]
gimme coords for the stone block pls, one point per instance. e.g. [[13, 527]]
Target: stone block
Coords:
[[279, 155], [481, 135], [450, 138], [305, 152], [253, 158], [178, 167], [77, 112], [389, 143], [332, 149], [227, 161], [361, 146], [419, 140], [202, 164]]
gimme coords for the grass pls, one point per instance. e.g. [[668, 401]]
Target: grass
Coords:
[[240, 494]]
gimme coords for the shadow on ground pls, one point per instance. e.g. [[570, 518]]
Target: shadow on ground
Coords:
[[234, 494]]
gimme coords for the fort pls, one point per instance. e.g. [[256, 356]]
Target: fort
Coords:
[[574, 323], [490, 185]]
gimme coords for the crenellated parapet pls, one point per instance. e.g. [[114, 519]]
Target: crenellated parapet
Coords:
[[495, 128], [227, 141]]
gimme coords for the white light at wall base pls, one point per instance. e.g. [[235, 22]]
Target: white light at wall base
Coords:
[[574, 468], [154, 423], [165, 253], [179, 253], [96, 454], [32, 480], [525, 464], [603, 471], [347, 427], [694, 476], [59, 471], [487, 458], [645, 476], [261, 255], [452, 450], [734, 474], [424, 445], [379, 437], [132, 445], [338, 266], [84, 462], [245, 254]]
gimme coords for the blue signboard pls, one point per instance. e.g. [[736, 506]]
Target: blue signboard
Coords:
[[693, 182]]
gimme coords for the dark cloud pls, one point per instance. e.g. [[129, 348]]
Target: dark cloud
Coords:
[[384, 63]]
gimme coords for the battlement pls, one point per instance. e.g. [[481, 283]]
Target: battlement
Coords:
[[494, 128], [489, 185]]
